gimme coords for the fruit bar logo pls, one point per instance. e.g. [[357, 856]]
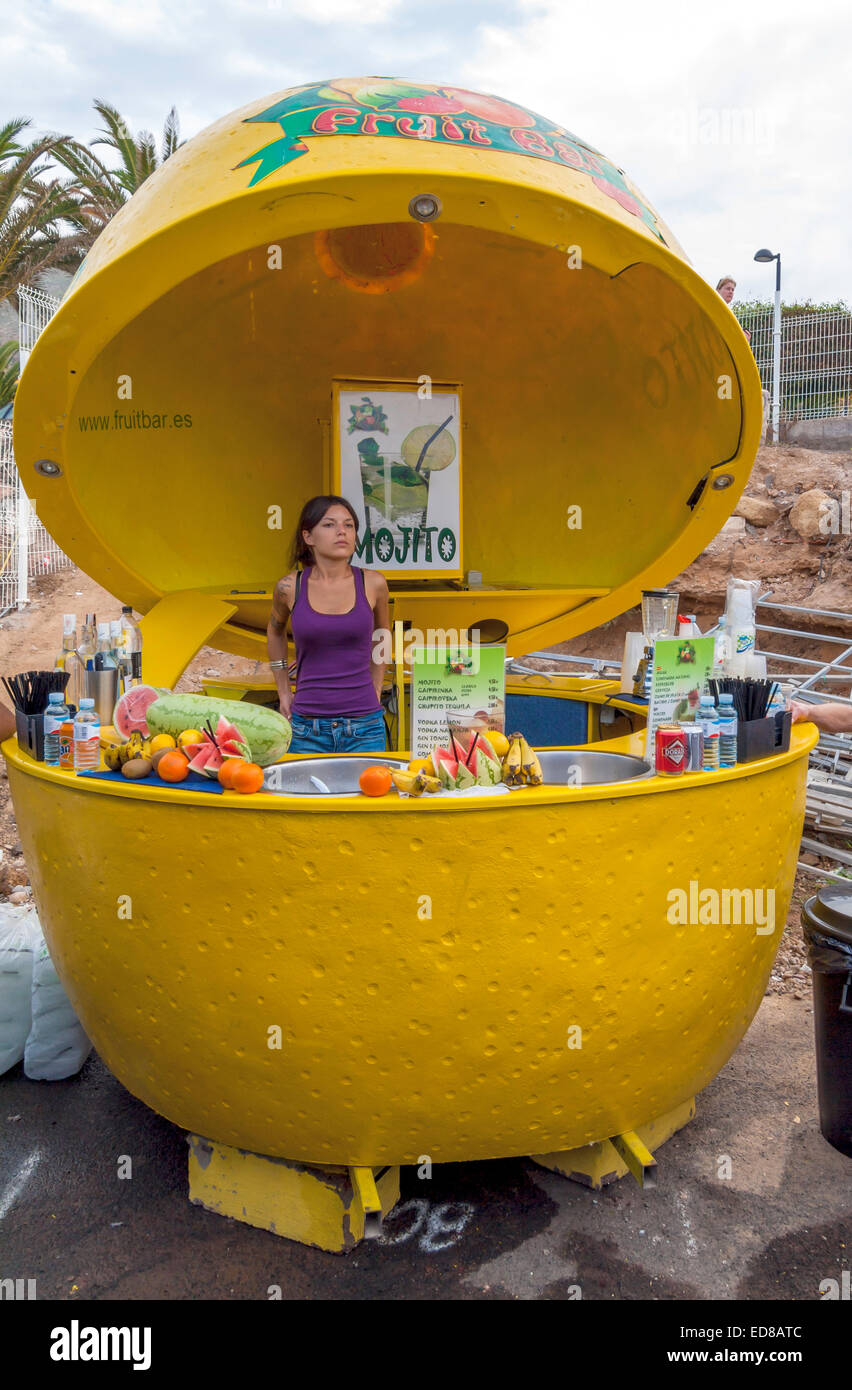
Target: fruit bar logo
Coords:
[[367, 416], [421, 111]]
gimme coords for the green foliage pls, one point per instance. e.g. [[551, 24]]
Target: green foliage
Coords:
[[8, 372], [747, 307]]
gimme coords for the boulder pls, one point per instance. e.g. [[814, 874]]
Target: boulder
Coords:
[[811, 515], [757, 511]]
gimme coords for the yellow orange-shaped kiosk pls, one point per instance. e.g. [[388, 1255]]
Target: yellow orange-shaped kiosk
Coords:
[[353, 983]]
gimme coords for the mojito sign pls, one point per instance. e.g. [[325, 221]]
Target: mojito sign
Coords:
[[397, 461], [394, 109]]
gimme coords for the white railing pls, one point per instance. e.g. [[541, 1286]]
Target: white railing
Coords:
[[35, 310], [27, 551], [816, 360]]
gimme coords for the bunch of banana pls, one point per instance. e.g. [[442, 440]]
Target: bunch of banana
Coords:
[[118, 754], [415, 783], [521, 765]]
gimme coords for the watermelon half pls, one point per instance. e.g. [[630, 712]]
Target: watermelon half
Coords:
[[131, 709]]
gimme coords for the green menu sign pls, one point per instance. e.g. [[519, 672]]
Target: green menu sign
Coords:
[[456, 690], [682, 666]]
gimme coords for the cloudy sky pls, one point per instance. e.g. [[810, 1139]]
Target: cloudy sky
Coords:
[[733, 118]]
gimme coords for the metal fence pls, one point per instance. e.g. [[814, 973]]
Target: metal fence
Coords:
[[35, 310], [27, 551], [816, 360]]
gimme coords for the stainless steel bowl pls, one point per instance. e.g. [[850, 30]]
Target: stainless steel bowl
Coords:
[[332, 776], [585, 768]]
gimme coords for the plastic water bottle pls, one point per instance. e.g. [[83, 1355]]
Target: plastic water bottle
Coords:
[[708, 719], [87, 737], [728, 724], [55, 715]]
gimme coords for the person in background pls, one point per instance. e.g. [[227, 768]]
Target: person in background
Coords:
[[7, 723], [725, 288], [829, 718]]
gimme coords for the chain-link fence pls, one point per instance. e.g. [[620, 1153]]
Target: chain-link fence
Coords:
[[816, 360]]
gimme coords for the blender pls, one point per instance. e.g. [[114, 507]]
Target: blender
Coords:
[[659, 613]]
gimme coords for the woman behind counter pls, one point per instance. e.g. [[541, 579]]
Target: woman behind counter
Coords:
[[335, 609]]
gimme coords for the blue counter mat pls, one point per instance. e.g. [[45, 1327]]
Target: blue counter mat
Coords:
[[193, 783]]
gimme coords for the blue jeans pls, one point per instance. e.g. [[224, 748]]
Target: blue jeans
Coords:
[[363, 734]]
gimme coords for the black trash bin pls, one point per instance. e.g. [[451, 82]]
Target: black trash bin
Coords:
[[827, 927]]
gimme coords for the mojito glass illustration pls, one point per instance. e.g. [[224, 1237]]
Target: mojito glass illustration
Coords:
[[394, 492], [396, 485]]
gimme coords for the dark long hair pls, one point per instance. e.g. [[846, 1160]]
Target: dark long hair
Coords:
[[311, 515]]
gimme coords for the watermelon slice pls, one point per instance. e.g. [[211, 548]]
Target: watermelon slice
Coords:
[[486, 769], [208, 756], [446, 767], [129, 714], [464, 777]]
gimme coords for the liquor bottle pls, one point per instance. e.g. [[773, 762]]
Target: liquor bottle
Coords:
[[104, 658], [131, 648], [69, 661], [88, 642]]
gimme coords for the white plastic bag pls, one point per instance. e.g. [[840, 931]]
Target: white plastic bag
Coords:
[[57, 1046], [20, 936]]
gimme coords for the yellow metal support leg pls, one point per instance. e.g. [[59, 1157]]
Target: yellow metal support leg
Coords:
[[597, 1164], [333, 1208], [176, 629]]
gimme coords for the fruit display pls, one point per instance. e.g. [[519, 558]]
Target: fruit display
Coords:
[[492, 759], [264, 731]]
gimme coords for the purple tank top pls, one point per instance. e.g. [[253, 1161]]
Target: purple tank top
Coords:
[[333, 653]]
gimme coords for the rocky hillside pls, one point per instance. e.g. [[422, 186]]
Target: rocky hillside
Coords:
[[791, 530]]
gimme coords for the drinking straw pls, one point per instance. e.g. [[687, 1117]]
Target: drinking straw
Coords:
[[29, 690], [429, 441], [473, 744]]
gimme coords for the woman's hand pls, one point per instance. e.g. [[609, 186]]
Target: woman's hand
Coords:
[[285, 707]]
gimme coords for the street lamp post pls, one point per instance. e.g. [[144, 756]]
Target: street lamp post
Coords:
[[766, 257]]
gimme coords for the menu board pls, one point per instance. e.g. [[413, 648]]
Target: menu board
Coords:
[[682, 666], [456, 690]]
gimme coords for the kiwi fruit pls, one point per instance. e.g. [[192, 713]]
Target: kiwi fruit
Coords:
[[137, 767]]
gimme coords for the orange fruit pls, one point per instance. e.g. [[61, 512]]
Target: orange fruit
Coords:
[[248, 778], [375, 781], [228, 771], [173, 766]]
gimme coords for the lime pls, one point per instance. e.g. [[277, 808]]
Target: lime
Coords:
[[440, 453]]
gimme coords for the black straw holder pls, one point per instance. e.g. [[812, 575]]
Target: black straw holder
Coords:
[[762, 738], [30, 731]]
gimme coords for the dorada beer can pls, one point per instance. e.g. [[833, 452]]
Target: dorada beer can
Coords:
[[670, 750], [694, 747]]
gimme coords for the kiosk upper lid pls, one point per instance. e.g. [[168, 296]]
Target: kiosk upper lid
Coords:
[[611, 405]]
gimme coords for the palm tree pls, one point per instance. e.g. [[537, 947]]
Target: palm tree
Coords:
[[33, 210], [99, 191], [8, 372]]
